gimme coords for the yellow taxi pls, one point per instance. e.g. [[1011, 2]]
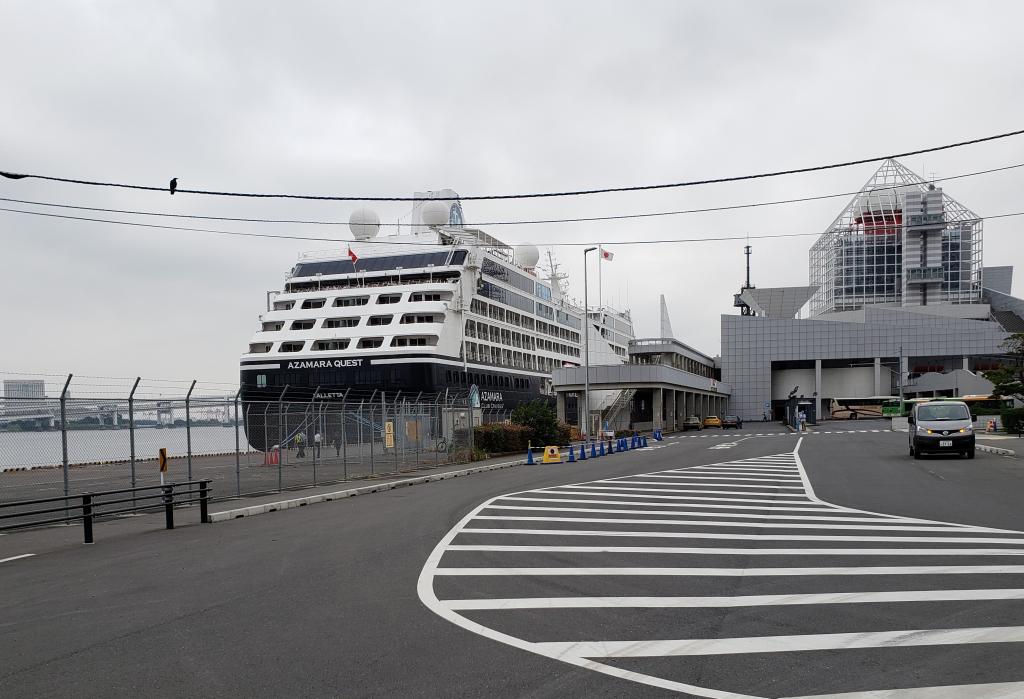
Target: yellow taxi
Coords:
[[712, 421]]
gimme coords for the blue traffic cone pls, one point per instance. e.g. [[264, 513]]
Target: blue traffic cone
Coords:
[[593, 450], [572, 457], [583, 452], [602, 449], [529, 457], [643, 441]]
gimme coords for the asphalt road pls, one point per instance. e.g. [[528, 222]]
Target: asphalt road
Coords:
[[717, 573]]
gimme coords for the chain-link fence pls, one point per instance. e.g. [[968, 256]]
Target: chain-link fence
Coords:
[[53, 446]]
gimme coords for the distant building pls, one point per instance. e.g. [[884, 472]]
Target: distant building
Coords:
[[897, 295], [24, 388]]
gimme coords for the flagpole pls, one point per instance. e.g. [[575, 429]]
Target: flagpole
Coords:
[[600, 299]]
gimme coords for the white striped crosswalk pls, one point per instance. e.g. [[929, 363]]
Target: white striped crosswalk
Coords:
[[570, 571]]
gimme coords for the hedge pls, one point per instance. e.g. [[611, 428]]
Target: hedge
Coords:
[[1013, 419], [498, 438]]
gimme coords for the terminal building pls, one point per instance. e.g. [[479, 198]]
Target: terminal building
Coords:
[[898, 303]]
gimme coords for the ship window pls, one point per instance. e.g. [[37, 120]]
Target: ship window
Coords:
[[370, 342], [420, 341], [291, 346], [284, 305], [314, 303], [345, 301], [261, 381], [273, 326], [259, 348], [380, 320], [324, 345], [389, 298], [426, 296], [341, 322], [303, 324], [420, 318]]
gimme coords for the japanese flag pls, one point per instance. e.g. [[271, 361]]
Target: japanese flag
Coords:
[[352, 256], [605, 255]]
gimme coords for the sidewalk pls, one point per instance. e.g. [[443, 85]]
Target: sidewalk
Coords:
[[236, 508]]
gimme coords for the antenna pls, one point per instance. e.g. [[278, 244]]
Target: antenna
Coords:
[[746, 251]]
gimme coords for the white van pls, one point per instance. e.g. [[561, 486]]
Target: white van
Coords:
[[941, 426]]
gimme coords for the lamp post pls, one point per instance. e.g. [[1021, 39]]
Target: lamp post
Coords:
[[586, 348]]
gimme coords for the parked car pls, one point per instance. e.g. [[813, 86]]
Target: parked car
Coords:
[[941, 427], [692, 423], [732, 421], [712, 421]]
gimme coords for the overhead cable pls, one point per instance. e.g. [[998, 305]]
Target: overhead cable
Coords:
[[480, 224], [536, 195], [385, 241]]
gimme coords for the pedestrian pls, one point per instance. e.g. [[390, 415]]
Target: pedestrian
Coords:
[[300, 443], [316, 445], [764, 417], [337, 445]]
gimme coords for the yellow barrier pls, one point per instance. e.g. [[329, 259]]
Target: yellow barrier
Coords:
[[551, 456]]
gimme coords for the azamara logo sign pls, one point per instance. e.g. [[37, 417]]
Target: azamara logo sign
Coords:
[[325, 364]]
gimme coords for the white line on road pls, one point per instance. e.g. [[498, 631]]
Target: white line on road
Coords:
[[15, 558], [991, 690], [750, 551], [749, 537], [742, 525], [740, 572], [701, 602], [701, 502], [784, 644]]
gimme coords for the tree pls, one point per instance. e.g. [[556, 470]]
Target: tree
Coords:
[[540, 417], [1008, 379]]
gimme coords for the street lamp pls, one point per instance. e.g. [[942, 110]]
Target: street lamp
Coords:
[[586, 347]]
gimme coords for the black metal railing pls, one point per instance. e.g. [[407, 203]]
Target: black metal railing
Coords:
[[88, 507]]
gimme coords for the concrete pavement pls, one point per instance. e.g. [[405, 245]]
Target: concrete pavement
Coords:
[[325, 600]]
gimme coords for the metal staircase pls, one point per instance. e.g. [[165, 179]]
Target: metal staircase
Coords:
[[622, 401]]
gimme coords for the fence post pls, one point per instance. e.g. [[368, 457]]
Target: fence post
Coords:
[[280, 434], [168, 491], [64, 437], [204, 501], [87, 517], [131, 431], [188, 426], [238, 464], [344, 439]]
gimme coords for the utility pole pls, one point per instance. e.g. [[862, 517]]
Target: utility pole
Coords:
[[586, 347]]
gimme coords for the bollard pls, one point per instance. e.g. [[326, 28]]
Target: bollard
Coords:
[[87, 517], [168, 491], [204, 500], [572, 456], [583, 452]]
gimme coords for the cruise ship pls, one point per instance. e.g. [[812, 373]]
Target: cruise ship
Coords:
[[441, 306]]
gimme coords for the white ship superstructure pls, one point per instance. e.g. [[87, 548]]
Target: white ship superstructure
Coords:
[[439, 307]]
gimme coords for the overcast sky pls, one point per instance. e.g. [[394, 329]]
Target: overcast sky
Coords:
[[393, 97]]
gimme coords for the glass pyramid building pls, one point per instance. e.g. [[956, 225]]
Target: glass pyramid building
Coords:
[[900, 242]]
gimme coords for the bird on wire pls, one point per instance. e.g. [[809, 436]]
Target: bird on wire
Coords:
[[174, 185]]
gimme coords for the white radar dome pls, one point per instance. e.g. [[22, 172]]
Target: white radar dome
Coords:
[[527, 256], [434, 213], [364, 224]]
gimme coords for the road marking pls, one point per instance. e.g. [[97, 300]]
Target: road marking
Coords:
[[748, 537], [749, 551], [701, 502], [738, 572], [993, 690], [744, 525], [736, 601], [15, 558], [784, 644]]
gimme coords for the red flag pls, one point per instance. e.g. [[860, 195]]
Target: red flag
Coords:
[[352, 256]]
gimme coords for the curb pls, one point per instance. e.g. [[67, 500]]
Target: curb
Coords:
[[237, 513], [995, 450]]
